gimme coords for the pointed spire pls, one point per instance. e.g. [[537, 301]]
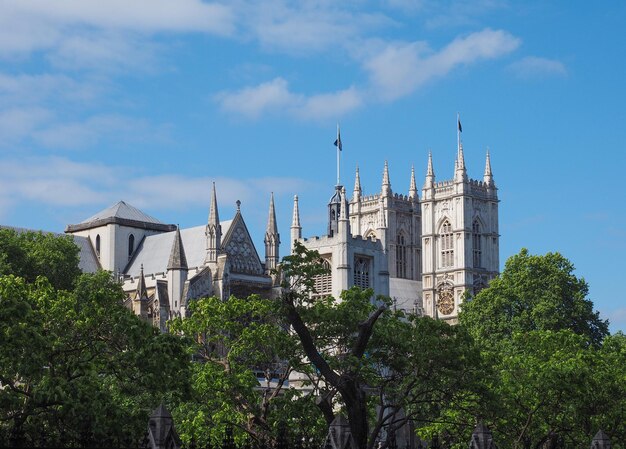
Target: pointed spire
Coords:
[[213, 231], [430, 173], [177, 261], [214, 217], [272, 239], [357, 186], [488, 178], [296, 229], [413, 187], [460, 174], [295, 222], [271, 219], [142, 292], [386, 187]]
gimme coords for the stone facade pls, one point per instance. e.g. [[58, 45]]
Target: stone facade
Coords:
[[423, 253], [162, 267]]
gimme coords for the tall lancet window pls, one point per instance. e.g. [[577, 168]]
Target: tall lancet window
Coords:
[[446, 240], [98, 245], [476, 244], [401, 256], [131, 245], [362, 272], [323, 282]]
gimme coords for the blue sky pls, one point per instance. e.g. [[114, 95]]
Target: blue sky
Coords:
[[151, 100]]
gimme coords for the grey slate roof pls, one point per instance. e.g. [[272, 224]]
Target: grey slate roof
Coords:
[[154, 250], [124, 211], [124, 214]]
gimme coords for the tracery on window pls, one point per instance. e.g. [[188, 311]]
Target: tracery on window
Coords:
[[446, 241], [323, 282], [362, 272], [476, 244], [401, 257]]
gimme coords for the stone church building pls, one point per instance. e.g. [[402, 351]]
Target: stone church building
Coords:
[[162, 267], [423, 252]]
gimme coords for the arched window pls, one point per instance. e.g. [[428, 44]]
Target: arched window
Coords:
[[476, 244], [446, 240], [362, 272], [131, 245], [323, 282], [401, 257], [98, 245]]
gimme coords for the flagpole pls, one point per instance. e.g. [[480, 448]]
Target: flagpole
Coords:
[[458, 133], [338, 150]]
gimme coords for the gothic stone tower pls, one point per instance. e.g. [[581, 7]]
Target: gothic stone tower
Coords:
[[460, 237], [396, 219]]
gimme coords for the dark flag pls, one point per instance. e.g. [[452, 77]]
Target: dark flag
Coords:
[[460, 127], [338, 141]]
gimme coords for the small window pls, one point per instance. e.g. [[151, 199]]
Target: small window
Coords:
[[98, 245], [362, 272], [446, 241], [131, 245], [476, 243], [323, 282]]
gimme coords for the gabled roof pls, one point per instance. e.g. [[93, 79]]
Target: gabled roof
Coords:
[[154, 250], [124, 214], [122, 210]]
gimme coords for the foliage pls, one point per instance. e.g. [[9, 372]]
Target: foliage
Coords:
[[29, 254], [380, 366], [78, 368], [555, 368], [244, 356], [533, 293]]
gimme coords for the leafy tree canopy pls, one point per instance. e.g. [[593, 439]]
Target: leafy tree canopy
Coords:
[[29, 254], [379, 366], [78, 368], [533, 293]]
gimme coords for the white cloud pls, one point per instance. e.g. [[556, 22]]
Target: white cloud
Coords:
[[299, 27], [536, 67], [81, 134], [60, 182], [400, 68], [275, 97], [35, 89], [253, 101]]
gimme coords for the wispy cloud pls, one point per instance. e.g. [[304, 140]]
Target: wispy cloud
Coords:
[[275, 97], [536, 67], [400, 68], [61, 182]]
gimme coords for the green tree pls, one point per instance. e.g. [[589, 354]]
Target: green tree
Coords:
[[555, 369], [244, 355], [533, 293], [29, 254], [381, 367], [78, 368]]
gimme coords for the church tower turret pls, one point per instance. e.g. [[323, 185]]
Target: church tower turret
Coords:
[[488, 177], [460, 174], [213, 231], [386, 185], [177, 271], [296, 229], [334, 211], [272, 239], [413, 188]]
